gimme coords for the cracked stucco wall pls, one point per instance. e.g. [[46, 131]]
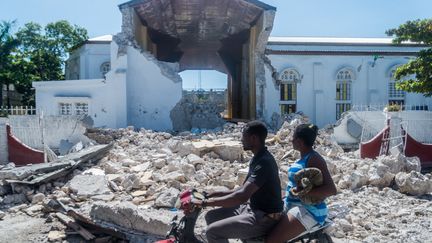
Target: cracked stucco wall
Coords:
[[265, 25], [153, 87]]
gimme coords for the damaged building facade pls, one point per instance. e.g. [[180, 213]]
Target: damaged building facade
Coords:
[[133, 78]]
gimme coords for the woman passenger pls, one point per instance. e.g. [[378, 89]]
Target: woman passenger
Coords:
[[300, 216]]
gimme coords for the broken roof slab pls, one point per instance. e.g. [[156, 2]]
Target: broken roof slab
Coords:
[[199, 25]]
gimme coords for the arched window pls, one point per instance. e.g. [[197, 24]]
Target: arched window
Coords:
[[288, 91], [344, 78], [395, 96], [105, 68]]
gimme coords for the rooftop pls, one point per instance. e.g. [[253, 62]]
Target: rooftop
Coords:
[[104, 39], [333, 40]]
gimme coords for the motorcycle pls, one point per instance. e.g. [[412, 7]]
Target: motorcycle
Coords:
[[182, 231]]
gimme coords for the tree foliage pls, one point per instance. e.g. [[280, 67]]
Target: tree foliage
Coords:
[[416, 75], [40, 54], [8, 45]]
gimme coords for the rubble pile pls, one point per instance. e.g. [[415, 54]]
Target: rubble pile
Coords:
[[135, 186]]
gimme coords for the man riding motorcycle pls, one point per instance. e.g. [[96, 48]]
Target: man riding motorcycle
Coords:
[[237, 219]]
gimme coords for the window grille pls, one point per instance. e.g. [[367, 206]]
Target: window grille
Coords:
[[68, 109], [287, 108], [65, 109], [395, 95], [81, 108], [343, 90], [344, 80], [341, 108], [288, 91]]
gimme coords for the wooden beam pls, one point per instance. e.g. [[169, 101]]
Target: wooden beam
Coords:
[[73, 225]]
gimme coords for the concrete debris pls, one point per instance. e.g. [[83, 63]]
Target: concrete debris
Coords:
[[167, 198], [89, 185], [133, 186], [55, 236], [414, 183], [128, 216], [38, 198], [14, 199], [4, 189], [199, 110], [374, 215], [94, 171], [34, 210]]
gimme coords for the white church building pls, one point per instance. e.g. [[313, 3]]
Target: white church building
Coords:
[[132, 78]]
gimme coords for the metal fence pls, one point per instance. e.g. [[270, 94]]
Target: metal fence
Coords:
[[382, 107]]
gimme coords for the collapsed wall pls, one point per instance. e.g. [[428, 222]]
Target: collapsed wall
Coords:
[[261, 61], [153, 87], [35, 131], [200, 110]]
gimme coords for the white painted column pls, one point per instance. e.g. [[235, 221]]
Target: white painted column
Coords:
[[319, 108]]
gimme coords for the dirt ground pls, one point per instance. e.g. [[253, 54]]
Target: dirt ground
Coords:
[[23, 228]]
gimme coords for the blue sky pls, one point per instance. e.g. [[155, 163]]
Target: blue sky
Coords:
[[333, 18]]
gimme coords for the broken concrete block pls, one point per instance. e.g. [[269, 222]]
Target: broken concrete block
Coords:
[[138, 193], [114, 177], [130, 181], [195, 159], [5, 189], [228, 150], [129, 162], [413, 183], [137, 200], [89, 185], [159, 163], [201, 177], [173, 145], [174, 176], [111, 167], [395, 164], [38, 198], [146, 180], [94, 171], [14, 174], [141, 167], [357, 180], [412, 164], [76, 148], [34, 210], [188, 170], [14, 199], [129, 216], [105, 197], [186, 148], [380, 176], [167, 198], [229, 183], [2, 214], [241, 176], [55, 236], [333, 152]]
